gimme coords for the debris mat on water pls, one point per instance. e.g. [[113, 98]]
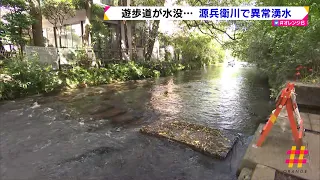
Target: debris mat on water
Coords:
[[213, 142]]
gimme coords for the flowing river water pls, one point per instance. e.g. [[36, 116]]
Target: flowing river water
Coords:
[[62, 137]]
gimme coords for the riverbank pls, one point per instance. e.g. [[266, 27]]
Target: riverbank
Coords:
[[20, 78]]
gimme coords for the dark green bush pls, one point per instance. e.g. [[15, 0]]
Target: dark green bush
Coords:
[[21, 77]]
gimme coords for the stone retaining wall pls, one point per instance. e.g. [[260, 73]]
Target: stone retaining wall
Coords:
[[308, 95]]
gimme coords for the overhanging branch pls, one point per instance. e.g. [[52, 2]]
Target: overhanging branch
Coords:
[[212, 34], [211, 24], [218, 29]]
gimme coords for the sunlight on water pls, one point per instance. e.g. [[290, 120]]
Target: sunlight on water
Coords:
[[216, 97], [165, 101], [228, 82]]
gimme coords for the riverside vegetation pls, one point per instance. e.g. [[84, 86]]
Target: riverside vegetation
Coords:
[[22, 76]]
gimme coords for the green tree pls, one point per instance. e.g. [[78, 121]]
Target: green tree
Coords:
[[211, 28], [18, 22], [57, 12], [198, 49], [279, 50], [152, 28], [35, 12], [89, 7]]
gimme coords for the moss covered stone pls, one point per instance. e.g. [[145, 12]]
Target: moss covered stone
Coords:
[[207, 140]]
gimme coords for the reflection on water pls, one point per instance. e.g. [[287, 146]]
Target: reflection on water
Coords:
[[226, 97], [165, 101], [235, 98]]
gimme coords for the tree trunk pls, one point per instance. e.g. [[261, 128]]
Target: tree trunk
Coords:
[[152, 39], [134, 43], [129, 38], [21, 44], [126, 40], [126, 36], [87, 38], [118, 30], [55, 36], [60, 34], [37, 33], [123, 43]]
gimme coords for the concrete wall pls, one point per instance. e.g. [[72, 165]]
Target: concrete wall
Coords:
[[308, 95]]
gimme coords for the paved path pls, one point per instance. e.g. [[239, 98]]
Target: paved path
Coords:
[[271, 156], [310, 121]]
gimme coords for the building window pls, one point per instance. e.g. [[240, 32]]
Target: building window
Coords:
[[107, 2], [76, 35], [70, 36], [49, 37]]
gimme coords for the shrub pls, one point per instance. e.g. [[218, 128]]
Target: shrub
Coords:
[[22, 76]]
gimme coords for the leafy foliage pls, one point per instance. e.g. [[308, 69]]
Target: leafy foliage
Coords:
[[18, 22], [213, 29], [57, 11], [118, 72], [279, 50], [83, 59], [21, 77], [100, 31], [198, 49]]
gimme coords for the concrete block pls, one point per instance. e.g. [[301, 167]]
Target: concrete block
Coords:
[[314, 116], [307, 126], [313, 161], [305, 117], [213, 142], [262, 172], [307, 95], [245, 174], [315, 127], [314, 119], [273, 153]]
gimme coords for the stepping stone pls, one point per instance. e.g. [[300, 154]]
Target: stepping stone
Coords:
[[213, 142], [262, 172]]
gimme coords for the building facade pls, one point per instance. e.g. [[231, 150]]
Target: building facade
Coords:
[[119, 43]]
